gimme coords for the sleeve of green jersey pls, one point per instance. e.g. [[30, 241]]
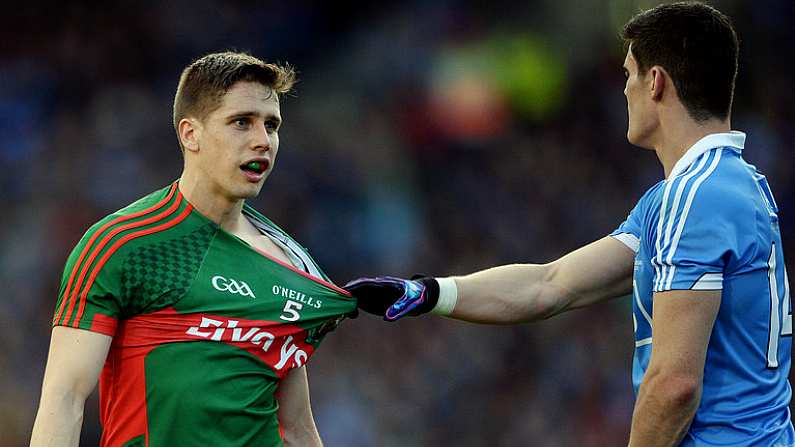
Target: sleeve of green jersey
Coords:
[[89, 296]]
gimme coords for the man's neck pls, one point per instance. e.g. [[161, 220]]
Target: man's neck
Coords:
[[207, 200], [680, 135]]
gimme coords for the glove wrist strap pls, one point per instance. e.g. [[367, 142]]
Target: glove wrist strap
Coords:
[[448, 297]]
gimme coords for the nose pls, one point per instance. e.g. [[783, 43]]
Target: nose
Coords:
[[262, 140]]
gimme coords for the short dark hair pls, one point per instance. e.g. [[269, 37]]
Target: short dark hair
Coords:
[[206, 80], [698, 47]]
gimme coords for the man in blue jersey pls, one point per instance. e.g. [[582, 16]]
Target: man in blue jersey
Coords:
[[700, 255]]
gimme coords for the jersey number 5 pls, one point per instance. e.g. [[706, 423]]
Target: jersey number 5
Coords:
[[780, 310], [290, 311]]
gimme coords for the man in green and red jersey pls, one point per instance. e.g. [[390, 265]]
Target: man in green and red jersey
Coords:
[[202, 311]]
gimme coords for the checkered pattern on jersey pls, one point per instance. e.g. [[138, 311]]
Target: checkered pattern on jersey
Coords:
[[156, 275]]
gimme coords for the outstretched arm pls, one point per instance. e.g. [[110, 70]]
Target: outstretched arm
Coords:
[[525, 292], [73, 365], [511, 293]]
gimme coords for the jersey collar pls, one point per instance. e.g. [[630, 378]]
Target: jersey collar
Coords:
[[734, 140]]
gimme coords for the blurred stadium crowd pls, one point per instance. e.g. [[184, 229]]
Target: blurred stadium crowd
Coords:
[[431, 136]]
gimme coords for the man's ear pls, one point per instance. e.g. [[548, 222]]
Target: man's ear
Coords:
[[189, 133], [659, 82]]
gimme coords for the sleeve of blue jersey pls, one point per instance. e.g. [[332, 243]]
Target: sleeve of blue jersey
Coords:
[[700, 236], [630, 230]]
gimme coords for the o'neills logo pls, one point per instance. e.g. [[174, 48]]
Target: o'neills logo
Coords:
[[296, 296], [227, 331], [230, 285]]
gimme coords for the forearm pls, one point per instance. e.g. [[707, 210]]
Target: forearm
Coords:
[[526, 292], [663, 412], [58, 421], [508, 294]]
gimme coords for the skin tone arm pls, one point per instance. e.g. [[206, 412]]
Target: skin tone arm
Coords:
[[683, 321], [295, 411], [671, 389], [524, 292], [74, 362]]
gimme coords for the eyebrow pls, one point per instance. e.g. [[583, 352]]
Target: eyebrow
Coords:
[[251, 113]]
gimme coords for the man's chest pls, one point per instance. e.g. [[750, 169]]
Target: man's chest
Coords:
[[238, 281], [241, 297]]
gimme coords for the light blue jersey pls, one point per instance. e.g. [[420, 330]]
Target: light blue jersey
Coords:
[[713, 225]]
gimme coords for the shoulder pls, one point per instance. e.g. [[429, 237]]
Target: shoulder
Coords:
[[149, 219], [652, 195], [648, 205], [724, 186], [713, 200], [141, 208], [718, 181], [156, 199]]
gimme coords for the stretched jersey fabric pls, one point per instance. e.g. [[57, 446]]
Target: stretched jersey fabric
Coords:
[[204, 326], [713, 225]]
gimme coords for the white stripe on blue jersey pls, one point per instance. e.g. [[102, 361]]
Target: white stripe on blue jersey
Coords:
[[668, 214], [671, 249]]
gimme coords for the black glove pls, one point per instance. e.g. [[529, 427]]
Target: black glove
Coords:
[[394, 298]]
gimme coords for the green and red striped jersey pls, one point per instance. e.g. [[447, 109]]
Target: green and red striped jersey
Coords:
[[204, 326]]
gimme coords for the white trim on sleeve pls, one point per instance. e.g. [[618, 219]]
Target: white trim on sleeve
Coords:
[[628, 239], [709, 281]]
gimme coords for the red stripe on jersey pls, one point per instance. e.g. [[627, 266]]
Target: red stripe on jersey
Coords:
[[180, 217], [281, 346], [101, 245], [122, 396], [306, 275], [104, 324], [96, 234]]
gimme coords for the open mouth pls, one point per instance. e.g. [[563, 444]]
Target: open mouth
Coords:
[[254, 167]]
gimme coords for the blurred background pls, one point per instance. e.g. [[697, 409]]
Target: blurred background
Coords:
[[439, 137]]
